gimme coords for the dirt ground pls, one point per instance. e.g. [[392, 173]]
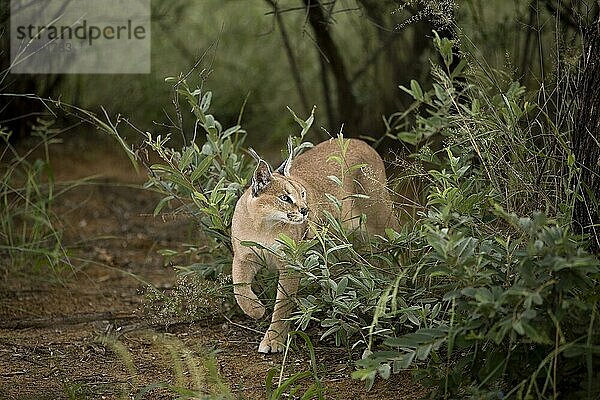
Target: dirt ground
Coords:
[[84, 336]]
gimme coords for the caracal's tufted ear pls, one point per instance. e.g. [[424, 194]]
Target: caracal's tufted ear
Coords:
[[262, 174], [284, 168]]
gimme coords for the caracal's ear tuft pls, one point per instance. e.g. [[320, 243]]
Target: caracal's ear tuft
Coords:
[[262, 174], [284, 168]]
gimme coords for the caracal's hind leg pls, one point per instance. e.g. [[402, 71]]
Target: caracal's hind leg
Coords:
[[378, 207]]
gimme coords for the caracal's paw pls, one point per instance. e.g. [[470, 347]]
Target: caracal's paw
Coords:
[[273, 342]]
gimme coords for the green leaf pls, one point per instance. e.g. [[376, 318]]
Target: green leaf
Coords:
[[424, 336], [205, 102], [357, 166], [334, 200], [287, 241], [384, 371], [305, 124], [475, 106], [341, 287], [161, 204], [416, 90], [231, 131], [163, 168], [483, 295], [201, 168], [440, 93], [571, 160], [444, 46], [365, 375], [337, 248], [405, 360], [287, 383], [186, 158], [337, 159], [269, 381], [330, 331], [518, 327], [359, 196], [199, 198], [335, 179], [535, 335], [412, 137], [457, 71]]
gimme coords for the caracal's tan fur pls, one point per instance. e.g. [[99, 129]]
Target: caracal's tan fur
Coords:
[[283, 201]]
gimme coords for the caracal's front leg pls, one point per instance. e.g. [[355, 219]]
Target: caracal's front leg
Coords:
[[243, 270], [275, 338]]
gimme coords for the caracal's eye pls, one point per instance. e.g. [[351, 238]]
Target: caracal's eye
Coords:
[[285, 198], [303, 194]]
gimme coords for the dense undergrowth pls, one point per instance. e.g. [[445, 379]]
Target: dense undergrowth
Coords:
[[485, 294]]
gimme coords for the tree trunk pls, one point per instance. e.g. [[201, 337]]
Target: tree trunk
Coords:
[[348, 111], [586, 138], [296, 75]]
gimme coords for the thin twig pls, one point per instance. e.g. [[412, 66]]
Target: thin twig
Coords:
[[242, 326]]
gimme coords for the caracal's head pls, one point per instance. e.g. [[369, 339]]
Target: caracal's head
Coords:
[[276, 197]]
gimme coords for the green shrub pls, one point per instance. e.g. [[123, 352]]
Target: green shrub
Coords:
[[512, 300], [203, 181]]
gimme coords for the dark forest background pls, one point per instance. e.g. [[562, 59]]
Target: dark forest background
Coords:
[[347, 57]]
